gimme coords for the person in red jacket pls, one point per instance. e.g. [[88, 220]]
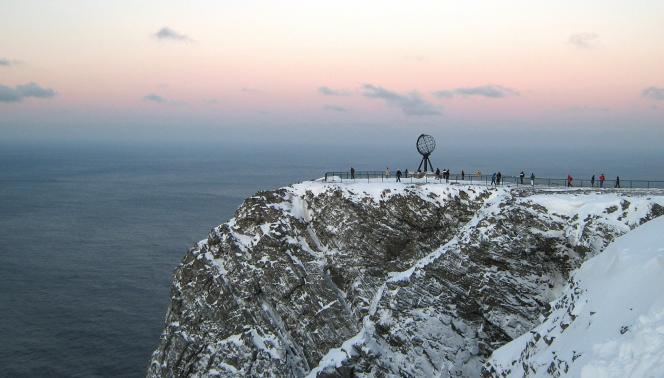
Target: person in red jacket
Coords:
[[569, 180], [601, 180]]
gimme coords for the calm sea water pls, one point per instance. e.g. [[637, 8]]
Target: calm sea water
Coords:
[[90, 235]]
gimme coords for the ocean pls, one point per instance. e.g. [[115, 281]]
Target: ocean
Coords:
[[90, 233]]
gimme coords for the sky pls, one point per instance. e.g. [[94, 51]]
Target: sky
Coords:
[[586, 74]]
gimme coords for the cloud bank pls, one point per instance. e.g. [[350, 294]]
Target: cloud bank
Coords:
[[8, 62], [20, 92], [653, 93], [327, 91], [584, 41], [490, 91], [411, 104], [168, 34]]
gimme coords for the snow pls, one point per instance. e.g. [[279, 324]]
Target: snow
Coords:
[[609, 321]]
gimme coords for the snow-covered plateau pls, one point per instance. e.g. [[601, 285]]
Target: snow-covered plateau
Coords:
[[423, 280]]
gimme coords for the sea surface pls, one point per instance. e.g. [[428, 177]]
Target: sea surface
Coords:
[[90, 233]]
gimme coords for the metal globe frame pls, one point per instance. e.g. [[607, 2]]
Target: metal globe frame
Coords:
[[425, 146]]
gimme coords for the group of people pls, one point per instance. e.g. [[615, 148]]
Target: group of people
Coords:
[[496, 177]]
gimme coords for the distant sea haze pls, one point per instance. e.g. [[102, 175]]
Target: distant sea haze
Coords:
[[91, 234]]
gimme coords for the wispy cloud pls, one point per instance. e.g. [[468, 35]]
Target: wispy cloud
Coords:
[[411, 104], [490, 91], [334, 108], [168, 34], [653, 93], [20, 92], [8, 62], [251, 90], [584, 41], [157, 99], [327, 91]]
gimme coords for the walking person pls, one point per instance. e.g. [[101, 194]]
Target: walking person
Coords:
[[493, 179], [569, 181], [499, 178], [398, 175], [601, 180], [532, 179], [463, 175], [438, 173], [617, 182], [521, 176], [592, 181], [352, 172]]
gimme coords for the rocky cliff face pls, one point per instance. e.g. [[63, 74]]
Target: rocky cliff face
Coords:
[[324, 279]]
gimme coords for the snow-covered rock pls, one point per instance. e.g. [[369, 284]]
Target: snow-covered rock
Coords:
[[382, 279], [609, 322]]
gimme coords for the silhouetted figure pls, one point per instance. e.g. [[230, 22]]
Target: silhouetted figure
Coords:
[[569, 181], [601, 180], [463, 175], [499, 178], [617, 182], [352, 172], [592, 181], [447, 175], [406, 173], [438, 173], [493, 178], [532, 179], [398, 175]]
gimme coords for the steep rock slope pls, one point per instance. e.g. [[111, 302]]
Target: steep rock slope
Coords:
[[609, 322], [380, 279]]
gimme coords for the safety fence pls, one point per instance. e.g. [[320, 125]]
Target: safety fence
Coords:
[[474, 178]]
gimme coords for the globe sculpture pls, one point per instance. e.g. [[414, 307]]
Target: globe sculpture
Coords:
[[425, 146]]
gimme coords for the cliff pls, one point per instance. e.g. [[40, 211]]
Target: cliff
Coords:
[[349, 279]]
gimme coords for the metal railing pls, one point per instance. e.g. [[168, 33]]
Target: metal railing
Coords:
[[430, 177]]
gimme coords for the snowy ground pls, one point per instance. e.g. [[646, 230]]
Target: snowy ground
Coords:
[[609, 322]]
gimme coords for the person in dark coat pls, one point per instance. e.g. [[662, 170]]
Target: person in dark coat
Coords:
[[532, 179], [398, 175], [521, 176], [493, 178], [406, 173], [617, 182], [463, 175], [352, 172], [438, 173], [499, 178], [592, 181]]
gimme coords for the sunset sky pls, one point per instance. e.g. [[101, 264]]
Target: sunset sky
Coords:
[[134, 69]]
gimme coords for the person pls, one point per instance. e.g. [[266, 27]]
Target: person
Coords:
[[438, 173], [463, 175], [493, 178], [521, 176], [532, 179], [352, 172], [387, 172], [406, 173], [569, 181], [398, 175], [617, 182], [499, 178], [447, 175], [601, 180], [592, 181], [478, 173]]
